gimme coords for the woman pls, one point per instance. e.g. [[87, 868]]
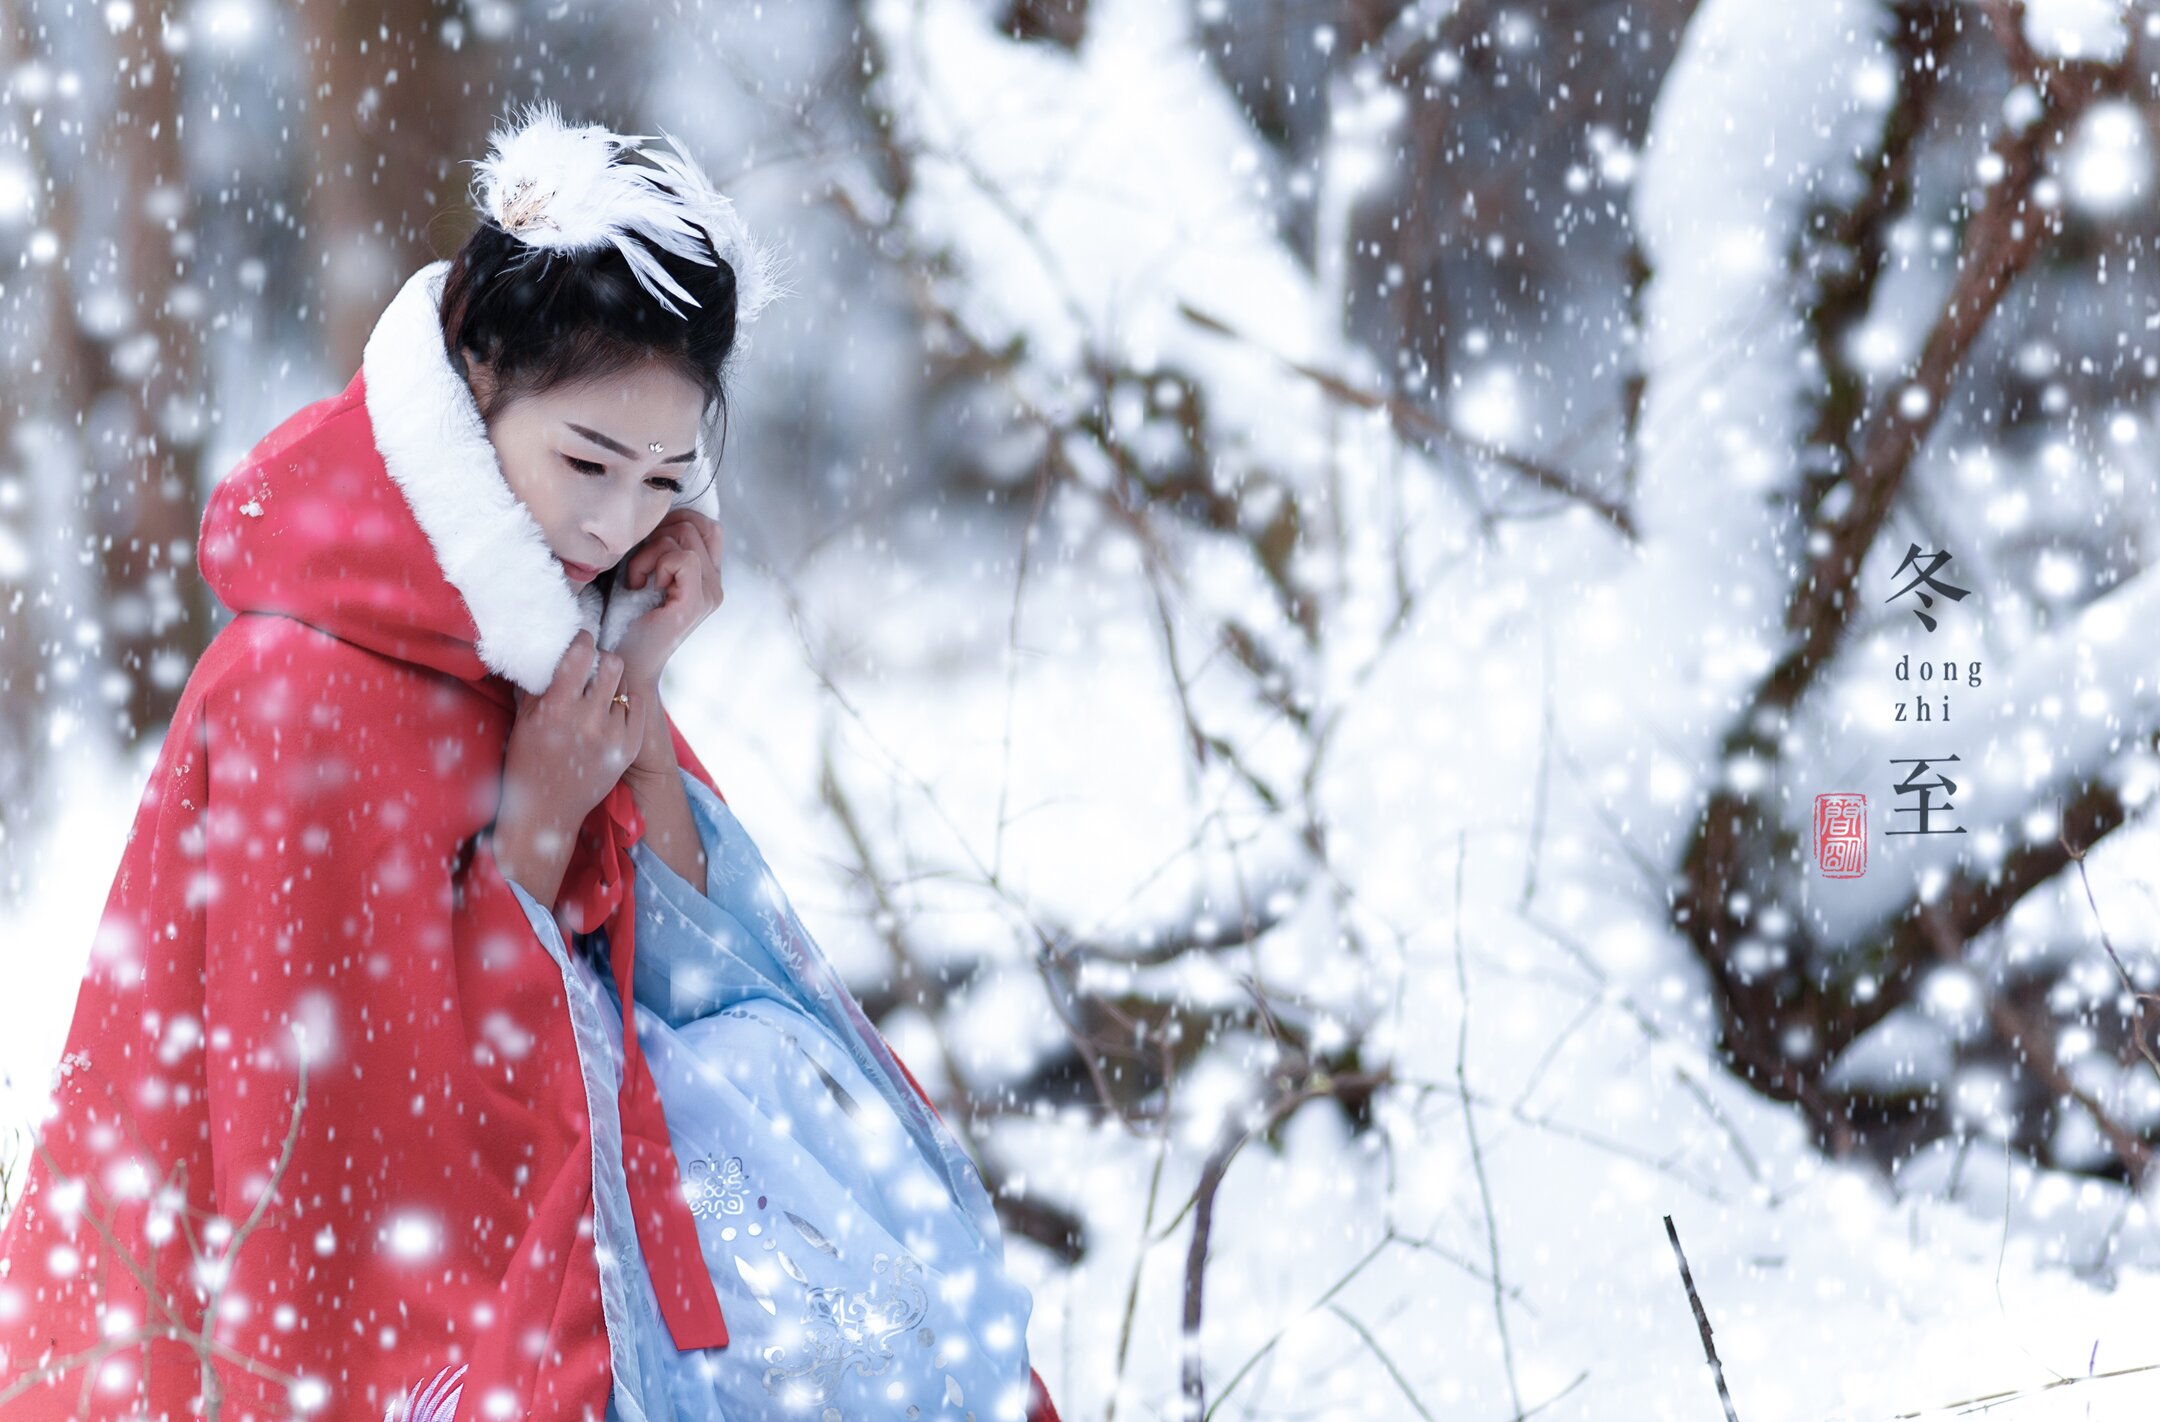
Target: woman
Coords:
[[350, 1123]]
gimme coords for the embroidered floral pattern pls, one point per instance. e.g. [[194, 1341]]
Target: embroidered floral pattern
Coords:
[[851, 1330], [723, 867], [781, 935], [716, 1187]]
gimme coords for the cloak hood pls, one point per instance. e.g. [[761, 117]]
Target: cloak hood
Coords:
[[381, 516]]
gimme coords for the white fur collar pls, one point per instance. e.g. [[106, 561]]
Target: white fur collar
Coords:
[[431, 438]]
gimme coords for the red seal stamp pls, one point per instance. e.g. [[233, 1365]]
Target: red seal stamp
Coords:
[[1841, 834]]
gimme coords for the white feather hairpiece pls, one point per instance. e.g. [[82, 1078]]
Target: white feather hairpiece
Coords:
[[559, 187]]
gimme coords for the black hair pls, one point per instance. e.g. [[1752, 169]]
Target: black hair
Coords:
[[542, 318]]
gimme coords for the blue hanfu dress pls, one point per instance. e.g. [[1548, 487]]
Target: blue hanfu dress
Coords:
[[856, 1254]]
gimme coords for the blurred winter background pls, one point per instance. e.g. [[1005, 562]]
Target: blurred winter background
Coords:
[[1300, 567]]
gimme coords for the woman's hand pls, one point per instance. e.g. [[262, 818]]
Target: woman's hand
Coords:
[[683, 555], [568, 748]]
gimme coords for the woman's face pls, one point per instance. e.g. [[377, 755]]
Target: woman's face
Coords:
[[597, 464]]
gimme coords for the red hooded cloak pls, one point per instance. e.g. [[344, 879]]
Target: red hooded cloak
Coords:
[[307, 900]]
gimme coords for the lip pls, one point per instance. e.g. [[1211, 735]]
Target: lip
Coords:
[[578, 572]]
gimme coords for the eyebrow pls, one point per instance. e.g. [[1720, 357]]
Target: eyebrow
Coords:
[[624, 450]]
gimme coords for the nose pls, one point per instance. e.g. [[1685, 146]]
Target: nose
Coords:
[[609, 525]]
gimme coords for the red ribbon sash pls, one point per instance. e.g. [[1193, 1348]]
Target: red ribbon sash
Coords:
[[599, 890]]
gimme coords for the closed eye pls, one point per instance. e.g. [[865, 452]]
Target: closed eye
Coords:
[[586, 465]]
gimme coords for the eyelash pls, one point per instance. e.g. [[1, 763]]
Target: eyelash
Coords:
[[586, 466]]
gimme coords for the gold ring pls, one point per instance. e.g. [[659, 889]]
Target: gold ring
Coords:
[[620, 700]]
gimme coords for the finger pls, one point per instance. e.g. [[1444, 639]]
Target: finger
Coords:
[[706, 528], [698, 534], [707, 573], [626, 728], [575, 667], [677, 570], [639, 569], [607, 677], [691, 577], [706, 557], [681, 535], [710, 541]]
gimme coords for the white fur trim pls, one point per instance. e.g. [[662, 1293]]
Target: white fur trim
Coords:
[[432, 440], [429, 432]]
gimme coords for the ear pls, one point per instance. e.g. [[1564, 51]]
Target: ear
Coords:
[[478, 375]]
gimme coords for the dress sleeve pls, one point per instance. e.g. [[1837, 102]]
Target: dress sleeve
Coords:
[[705, 812], [684, 933], [678, 926], [544, 925]]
